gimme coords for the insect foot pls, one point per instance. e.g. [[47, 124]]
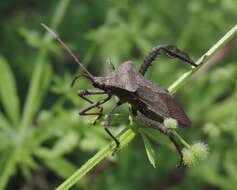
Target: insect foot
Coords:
[[115, 151]]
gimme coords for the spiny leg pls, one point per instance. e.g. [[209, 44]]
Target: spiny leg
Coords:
[[171, 50], [164, 130], [107, 123]]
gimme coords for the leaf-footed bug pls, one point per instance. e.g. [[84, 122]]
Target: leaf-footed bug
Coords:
[[150, 103]]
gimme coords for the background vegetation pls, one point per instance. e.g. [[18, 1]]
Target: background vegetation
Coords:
[[43, 141]]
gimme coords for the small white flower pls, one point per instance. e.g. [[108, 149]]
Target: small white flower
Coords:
[[170, 123]]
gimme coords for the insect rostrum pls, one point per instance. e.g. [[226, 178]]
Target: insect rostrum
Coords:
[[150, 103]]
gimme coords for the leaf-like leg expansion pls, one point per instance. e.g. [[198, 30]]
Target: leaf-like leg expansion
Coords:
[[88, 92], [110, 65], [171, 50], [107, 123]]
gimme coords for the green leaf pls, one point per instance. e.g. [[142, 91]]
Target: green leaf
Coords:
[[65, 144], [8, 92], [60, 166], [4, 124], [8, 169], [149, 150]]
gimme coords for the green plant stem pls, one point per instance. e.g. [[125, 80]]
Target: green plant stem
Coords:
[[181, 139], [128, 135], [232, 33], [30, 107], [32, 98]]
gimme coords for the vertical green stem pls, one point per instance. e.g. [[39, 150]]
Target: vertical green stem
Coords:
[[30, 108]]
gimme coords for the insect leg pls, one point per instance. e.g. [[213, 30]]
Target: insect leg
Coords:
[[179, 150], [110, 65], [85, 110], [107, 123], [164, 130], [171, 50], [153, 124], [88, 92]]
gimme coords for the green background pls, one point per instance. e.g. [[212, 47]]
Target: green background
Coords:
[[42, 138]]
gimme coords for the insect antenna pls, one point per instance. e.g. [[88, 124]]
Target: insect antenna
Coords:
[[76, 59]]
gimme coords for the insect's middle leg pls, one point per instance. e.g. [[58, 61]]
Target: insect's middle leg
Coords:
[[156, 125], [85, 110], [87, 92], [107, 123]]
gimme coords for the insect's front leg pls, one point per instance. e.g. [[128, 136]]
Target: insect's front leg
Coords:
[[156, 125], [87, 92], [85, 110], [107, 123]]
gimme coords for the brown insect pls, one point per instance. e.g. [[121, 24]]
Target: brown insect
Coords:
[[152, 102]]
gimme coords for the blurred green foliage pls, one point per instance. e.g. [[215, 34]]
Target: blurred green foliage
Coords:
[[42, 138]]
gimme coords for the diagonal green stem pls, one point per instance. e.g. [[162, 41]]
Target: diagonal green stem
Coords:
[[127, 134], [232, 33], [181, 139]]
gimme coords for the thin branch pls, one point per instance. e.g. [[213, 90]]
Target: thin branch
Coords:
[[217, 57], [204, 59], [128, 134]]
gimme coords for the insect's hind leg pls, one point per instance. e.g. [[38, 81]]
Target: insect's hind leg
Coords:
[[153, 124], [106, 125], [171, 50], [179, 150], [156, 125]]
